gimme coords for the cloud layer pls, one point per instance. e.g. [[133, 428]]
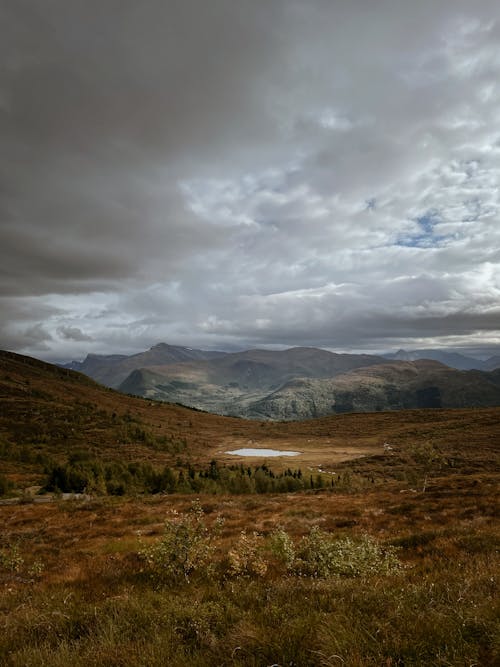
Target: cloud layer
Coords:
[[233, 174]]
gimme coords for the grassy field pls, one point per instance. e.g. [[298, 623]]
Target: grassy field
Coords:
[[393, 562]]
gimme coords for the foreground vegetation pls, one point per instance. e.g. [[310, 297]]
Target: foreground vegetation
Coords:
[[383, 579]]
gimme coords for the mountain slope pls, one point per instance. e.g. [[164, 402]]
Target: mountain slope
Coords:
[[303, 384], [297, 383], [111, 370], [452, 359], [51, 411], [397, 386], [228, 383], [492, 363]]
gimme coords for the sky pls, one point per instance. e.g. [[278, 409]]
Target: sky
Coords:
[[249, 173]]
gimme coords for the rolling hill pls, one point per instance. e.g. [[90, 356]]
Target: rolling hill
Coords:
[[51, 415]]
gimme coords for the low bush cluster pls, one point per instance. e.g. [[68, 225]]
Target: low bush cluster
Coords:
[[246, 558], [320, 554], [187, 548]]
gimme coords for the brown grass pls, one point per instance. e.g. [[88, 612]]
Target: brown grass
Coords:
[[80, 595]]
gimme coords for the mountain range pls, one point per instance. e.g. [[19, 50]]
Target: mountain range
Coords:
[[453, 359], [299, 383]]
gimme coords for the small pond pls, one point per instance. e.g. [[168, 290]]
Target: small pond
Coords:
[[248, 451]]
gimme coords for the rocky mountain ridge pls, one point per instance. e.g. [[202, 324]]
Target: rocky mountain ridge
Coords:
[[297, 383]]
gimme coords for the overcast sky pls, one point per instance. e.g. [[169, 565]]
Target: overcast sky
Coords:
[[244, 173]]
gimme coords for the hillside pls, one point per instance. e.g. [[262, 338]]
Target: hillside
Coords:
[[256, 390], [448, 357], [111, 370], [51, 415], [53, 411], [230, 384], [397, 386], [298, 383], [248, 370]]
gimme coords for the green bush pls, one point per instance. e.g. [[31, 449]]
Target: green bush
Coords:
[[321, 555], [11, 559], [246, 558], [282, 547], [185, 548]]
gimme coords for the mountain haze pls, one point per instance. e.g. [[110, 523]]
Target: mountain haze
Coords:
[[397, 386], [230, 383], [111, 370], [297, 383], [450, 358]]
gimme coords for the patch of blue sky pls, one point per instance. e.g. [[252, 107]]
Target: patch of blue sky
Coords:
[[425, 236]]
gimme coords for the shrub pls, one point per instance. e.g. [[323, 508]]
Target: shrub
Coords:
[[185, 548], [282, 548], [319, 554], [246, 558], [10, 559]]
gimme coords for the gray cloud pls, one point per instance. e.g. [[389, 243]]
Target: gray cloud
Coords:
[[73, 333], [254, 173]]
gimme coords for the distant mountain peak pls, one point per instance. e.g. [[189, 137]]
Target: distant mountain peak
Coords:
[[449, 357]]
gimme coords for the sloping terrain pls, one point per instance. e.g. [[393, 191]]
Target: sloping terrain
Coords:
[[492, 363], [397, 386], [230, 383], [245, 371], [51, 411], [449, 357], [52, 414], [453, 359], [111, 370], [298, 383], [390, 386]]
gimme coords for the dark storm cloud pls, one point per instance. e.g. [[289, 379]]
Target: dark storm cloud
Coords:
[[248, 172], [156, 75], [103, 103], [17, 328]]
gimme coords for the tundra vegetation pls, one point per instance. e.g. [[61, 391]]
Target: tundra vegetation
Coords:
[[178, 555]]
